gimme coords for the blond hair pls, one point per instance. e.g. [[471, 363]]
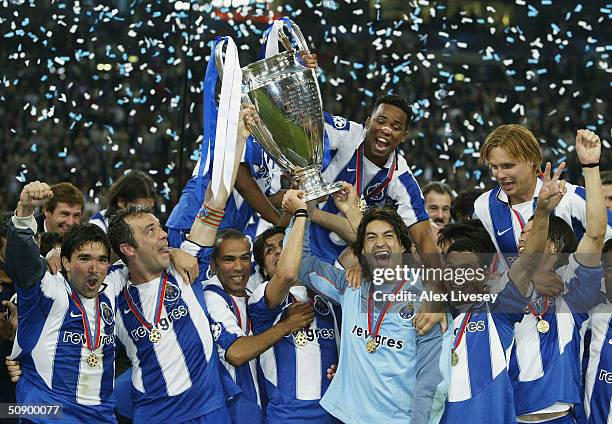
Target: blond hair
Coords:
[[517, 140]]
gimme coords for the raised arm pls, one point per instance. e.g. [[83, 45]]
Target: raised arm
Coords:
[[288, 265], [204, 228], [521, 272], [23, 261], [248, 188], [588, 149]]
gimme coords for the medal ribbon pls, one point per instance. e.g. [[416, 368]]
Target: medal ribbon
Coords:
[[382, 185], [533, 311], [88, 337], [458, 338], [159, 304], [238, 315], [381, 317]]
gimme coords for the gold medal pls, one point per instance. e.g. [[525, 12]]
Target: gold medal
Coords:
[[454, 358], [371, 346], [363, 205], [300, 338], [92, 360], [155, 335], [543, 326]]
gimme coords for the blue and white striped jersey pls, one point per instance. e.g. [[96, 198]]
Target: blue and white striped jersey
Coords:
[[404, 380], [51, 342], [295, 375], [238, 213], [598, 375], [100, 219], [545, 367], [480, 378], [178, 378], [504, 224], [231, 312], [341, 144]]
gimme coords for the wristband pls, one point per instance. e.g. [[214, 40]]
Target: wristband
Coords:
[[209, 216], [300, 212], [589, 165]]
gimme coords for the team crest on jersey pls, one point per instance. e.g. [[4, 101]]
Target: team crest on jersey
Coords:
[[407, 312], [378, 196], [321, 305], [107, 313], [340, 123], [172, 292], [216, 330]]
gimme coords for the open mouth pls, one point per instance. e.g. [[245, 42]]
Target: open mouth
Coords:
[[381, 144], [507, 186], [92, 283], [164, 250], [382, 257]]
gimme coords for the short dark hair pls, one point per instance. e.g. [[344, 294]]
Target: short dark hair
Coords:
[[484, 251], [438, 187], [225, 234], [389, 216], [66, 193], [120, 232], [562, 237], [48, 240], [463, 204], [129, 187], [259, 246], [397, 101], [606, 177], [79, 235], [472, 229]]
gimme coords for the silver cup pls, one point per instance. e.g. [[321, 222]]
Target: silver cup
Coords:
[[287, 98]]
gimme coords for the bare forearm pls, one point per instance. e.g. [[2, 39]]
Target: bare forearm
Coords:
[[250, 347], [522, 270], [248, 188], [288, 265], [595, 204], [338, 224]]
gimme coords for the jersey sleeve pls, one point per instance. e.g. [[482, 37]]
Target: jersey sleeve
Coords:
[[582, 285], [432, 375], [23, 261], [261, 315], [202, 254], [508, 309], [406, 194], [317, 274], [340, 131], [220, 313]]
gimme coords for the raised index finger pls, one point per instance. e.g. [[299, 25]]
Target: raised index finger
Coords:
[[546, 174]]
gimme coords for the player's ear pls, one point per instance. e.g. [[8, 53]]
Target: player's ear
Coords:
[[127, 250], [368, 121], [66, 265]]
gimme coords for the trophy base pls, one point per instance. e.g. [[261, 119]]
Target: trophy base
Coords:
[[312, 183]]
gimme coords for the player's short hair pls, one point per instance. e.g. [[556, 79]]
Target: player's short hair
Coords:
[[472, 229], [463, 204], [225, 234], [389, 216], [485, 251], [606, 177], [129, 187], [438, 187], [562, 237], [259, 246], [49, 239], [120, 232], [79, 235], [66, 193], [517, 140], [397, 101]]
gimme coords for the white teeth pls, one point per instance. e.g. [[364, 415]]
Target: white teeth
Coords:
[[237, 278]]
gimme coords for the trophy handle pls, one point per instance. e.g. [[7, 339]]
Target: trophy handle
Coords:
[[296, 34]]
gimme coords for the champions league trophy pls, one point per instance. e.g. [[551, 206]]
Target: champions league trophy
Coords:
[[286, 96]]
